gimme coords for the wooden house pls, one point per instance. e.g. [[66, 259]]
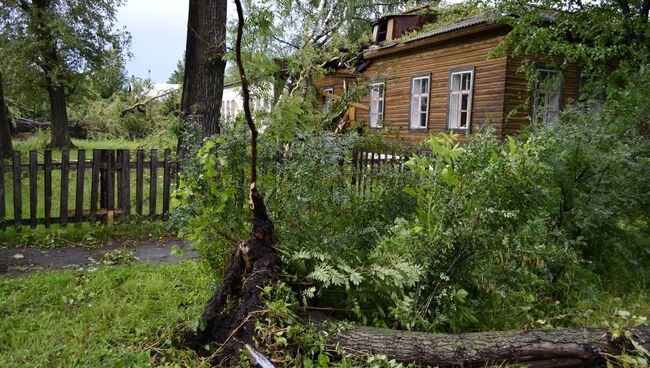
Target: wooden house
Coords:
[[445, 80]]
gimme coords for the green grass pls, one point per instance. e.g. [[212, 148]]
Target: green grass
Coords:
[[86, 235], [113, 317], [40, 140]]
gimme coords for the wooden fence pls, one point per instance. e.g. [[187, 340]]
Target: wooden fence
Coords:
[[108, 173], [369, 161]]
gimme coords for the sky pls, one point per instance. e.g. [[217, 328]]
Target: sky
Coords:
[[158, 29]]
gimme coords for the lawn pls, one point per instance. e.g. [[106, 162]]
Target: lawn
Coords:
[[126, 316]]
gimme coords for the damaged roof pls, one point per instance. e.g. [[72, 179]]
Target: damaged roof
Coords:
[[479, 19]]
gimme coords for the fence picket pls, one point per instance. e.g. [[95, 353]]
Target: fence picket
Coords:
[[166, 181], [110, 180], [3, 205], [18, 188], [94, 183], [47, 185], [79, 197], [65, 171], [153, 182], [125, 182], [139, 169], [33, 188]]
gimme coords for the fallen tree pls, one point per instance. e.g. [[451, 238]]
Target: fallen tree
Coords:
[[566, 347]]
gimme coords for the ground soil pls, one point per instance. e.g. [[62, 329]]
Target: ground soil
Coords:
[[17, 261]]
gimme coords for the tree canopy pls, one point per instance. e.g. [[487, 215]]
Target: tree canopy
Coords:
[[56, 45]]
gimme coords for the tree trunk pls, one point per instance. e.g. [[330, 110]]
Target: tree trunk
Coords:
[[231, 312], [204, 66], [5, 126], [571, 347], [58, 109]]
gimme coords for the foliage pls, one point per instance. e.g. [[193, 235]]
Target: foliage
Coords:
[[73, 44], [608, 39], [104, 117]]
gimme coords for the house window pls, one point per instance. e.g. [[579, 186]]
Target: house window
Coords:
[[460, 99], [377, 104], [546, 97], [327, 101], [419, 102]]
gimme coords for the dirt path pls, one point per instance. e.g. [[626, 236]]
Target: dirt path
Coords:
[[19, 261]]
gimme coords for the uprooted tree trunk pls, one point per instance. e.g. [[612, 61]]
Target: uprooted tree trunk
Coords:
[[567, 347], [229, 314]]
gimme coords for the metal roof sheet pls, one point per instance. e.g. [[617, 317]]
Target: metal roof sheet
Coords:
[[481, 18]]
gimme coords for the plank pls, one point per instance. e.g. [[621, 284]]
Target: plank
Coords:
[[110, 179], [79, 197], [18, 189], [354, 166], [139, 180], [65, 173], [153, 181], [3, 204], [94, 183], [125, 183], [33, 188], [166, 181], [47, 186]]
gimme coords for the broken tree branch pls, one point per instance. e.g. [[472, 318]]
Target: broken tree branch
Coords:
[[145, 102]]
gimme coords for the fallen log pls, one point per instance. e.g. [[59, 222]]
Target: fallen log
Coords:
[[23, 125], [566, 347]]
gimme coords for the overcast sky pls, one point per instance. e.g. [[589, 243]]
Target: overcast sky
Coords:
[[158, 29]]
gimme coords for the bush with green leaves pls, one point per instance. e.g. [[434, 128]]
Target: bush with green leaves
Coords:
[[537, 230]]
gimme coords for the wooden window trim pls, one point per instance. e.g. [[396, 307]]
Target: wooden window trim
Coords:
[[413, 78], [379, 126], [470, 102]]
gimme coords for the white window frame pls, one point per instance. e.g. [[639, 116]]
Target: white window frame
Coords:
[[415, 111], [326, 100], [547, 112], [377, 114], [454, 108]]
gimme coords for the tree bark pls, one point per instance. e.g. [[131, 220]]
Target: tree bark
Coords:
[[5, 126], [59, 112], [204, 66], [572, 347]]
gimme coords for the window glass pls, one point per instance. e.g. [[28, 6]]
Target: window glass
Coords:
[[419, 103], [376, 104], [460, 99]]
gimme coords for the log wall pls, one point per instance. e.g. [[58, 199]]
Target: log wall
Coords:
[[438, 59]]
